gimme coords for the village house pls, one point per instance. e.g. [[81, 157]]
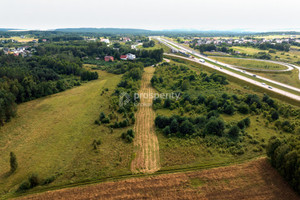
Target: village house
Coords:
[[105, 40], [128, 56], [108, 58]]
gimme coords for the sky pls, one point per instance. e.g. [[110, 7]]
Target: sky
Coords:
[[254, 15]]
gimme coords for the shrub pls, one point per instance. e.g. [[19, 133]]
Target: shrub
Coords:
[[186, 128], [247, 121], [13, 162], [128, 136], [214, 126], [49, 180], [96, 143], [25, 185], [174, 126], [274, 115], [243, 108], [229, 109], [34, 180], [241, 124], [234, 131], [167, 130]]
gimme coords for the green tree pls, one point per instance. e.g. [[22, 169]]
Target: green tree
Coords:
[[234, 131], [214, 126], [174, 126]]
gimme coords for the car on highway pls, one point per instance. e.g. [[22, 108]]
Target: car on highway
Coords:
[[254, 75], [201, 60], [263, 83], [244, 71], [269, 87]]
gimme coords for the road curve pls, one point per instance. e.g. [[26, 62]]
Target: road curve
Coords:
[[233, 68], [289, 67], [257, 83]]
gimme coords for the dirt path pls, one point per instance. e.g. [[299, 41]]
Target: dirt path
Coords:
[[146, 144], [255, 180]]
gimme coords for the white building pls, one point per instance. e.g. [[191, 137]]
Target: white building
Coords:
[[131, 56], [105, 40]]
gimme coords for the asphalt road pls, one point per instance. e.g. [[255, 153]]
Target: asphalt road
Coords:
[[244, 78]]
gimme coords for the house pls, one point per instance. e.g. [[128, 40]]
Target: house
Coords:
[[105, 40], [123, 57], [125, 39], [108, 58], [130, 56]]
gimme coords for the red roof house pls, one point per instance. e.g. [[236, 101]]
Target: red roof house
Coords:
[[123, 57], [108, 58]]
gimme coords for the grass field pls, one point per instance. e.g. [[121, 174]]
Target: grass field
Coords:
[[157, 46], [53, 136], [19, 39], [289, 78], [251, 64], [252, 180], [293, 56]]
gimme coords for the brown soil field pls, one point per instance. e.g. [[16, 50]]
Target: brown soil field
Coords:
[[252, 180], [146, 147]]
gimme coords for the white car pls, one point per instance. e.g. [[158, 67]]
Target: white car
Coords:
[[263, 83], [201, 60]]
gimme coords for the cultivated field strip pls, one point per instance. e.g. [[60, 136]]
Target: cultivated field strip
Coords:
[[146, 158], [255, 180]]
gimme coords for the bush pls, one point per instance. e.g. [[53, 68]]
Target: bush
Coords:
[[229, 109], [214, 126], [13, 162], [241, 124], [247, 121], [244, 109], [49, 180], [128, 136], [186, 128], [234, 131], [274, 115], [174, 126], [96, 143], [167, 130], [25, 185], [34, 180]]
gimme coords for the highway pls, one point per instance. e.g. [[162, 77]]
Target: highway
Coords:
[[172, 45]]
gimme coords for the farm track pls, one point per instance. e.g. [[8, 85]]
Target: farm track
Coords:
[[146, 158], [255, 180]]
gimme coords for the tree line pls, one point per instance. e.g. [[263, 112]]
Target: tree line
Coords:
[[285, 157]]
